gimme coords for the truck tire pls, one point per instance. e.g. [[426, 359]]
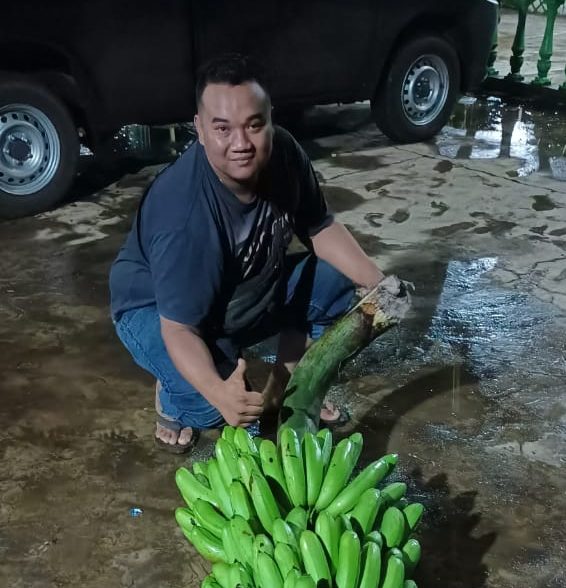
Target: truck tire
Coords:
[[419, 90], [39, 148]]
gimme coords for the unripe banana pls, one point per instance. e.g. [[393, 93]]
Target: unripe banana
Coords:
[[293, 468], [283, 533], [268, 572], [208, 517], [358, 443], [286, 558], [365, 512], [264, 502], [297, 520], [392, 493], [391, 459], [349, 556], [329, 530], [350, 496], [228, 433], [221, 571], [227, 461], [325, 439], [191, 489], [337, 474], [185, 519], [240, 500], [272, 468], [219, 488], [248, 466], [243, 539], [371, 565], [305, 582], [410, 584], [229, 546], [314, 467], [200, 468], [411, 554], [241, 578], [210, 582], [206, 544], [413, 514], [291, 579], [393, 527], [262, 544], [244, 443], [394, 575], [375, 537], [314, 558]]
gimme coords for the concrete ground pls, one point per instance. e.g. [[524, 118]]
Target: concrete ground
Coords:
[[469, 390]]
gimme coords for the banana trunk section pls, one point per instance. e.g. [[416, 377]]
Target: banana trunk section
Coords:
[[374, 314]]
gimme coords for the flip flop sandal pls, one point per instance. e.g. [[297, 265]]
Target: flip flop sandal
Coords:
[[171, 424]]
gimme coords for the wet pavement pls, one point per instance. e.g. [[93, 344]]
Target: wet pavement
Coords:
[[470, 390]]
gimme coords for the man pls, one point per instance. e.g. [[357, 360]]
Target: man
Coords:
[[204, 271]]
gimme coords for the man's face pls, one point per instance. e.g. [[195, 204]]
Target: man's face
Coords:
[[234, 126]]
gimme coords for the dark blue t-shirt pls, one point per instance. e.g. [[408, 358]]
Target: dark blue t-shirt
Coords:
[[205, 258]]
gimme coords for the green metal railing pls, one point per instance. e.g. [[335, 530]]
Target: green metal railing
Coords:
[[550, 9]]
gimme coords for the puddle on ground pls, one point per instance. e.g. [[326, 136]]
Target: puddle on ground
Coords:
[[489, 128]]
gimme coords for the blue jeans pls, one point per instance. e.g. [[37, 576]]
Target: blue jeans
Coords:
[[316, 296]]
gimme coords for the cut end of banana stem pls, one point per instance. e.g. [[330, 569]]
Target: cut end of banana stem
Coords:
[[387, 303]]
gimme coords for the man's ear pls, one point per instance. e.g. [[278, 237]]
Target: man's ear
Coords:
[[198, 127]]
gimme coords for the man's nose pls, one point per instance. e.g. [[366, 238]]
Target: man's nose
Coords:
[[240, 140]]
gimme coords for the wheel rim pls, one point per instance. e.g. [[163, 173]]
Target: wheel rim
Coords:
[[30, 149], [425, 89]]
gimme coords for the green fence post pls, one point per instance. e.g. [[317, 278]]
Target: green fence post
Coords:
[[545, 53], [491, 71], [518, 47]]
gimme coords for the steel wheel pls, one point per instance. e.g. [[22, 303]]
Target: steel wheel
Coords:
[[425, 89]]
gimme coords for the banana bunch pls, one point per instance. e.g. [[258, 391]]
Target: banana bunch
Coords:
[[290, 515]]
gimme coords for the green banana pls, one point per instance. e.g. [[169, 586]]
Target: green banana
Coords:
[[411, 554], [375, 537], [240, 500], [357, 440], [365, 512], [264, 502], [200, 468], [243, 539], [293, 468], [393, 527], [210, 582], [227, 461], [228, 544], [297, 520], [314, 558], [305, 582], [228, 433], [262, 544], [244, 443], [349, 556], [396, 552], [329, 530], [268, 572], [248, 466], [283, 533], [206, 544], [350, 495], [291, 578], [271, 466], [286, 558], [371, 565], [239, 577], [345, 522], [191, 489], [391, 459], [208, 517], [393, 493], [410, 584], [413, 514], [394, 575], [219, 488], [185, 519], [221, 571], [337, 474], [314, 467], [324, 437]]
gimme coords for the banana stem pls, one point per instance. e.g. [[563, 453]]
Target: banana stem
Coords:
[[374, 314]]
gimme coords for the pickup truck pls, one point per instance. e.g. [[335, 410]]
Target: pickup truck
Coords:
[[75, 71]]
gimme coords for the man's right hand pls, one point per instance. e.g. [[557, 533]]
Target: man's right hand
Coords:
[[239, 406]]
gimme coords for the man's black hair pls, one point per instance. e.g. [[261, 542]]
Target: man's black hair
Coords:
[[233, 69]]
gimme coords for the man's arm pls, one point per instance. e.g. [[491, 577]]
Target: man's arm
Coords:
[[336, 245], [192, 358]]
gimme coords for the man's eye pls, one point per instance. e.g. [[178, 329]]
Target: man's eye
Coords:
[[257, 125], [222, 128]]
